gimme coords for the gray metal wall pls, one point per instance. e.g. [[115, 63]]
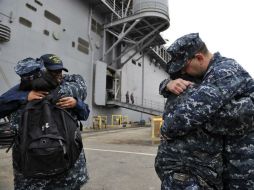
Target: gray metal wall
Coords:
[[146, 78], [75, 22], [26, 42]]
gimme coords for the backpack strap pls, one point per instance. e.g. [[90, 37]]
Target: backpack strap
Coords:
[[80, 125]]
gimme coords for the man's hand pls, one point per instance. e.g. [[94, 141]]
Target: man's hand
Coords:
[[67, 102], [177, 86], [36, 95]]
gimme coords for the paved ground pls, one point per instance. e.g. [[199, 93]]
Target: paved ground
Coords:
[[6, 176], [117, 160]]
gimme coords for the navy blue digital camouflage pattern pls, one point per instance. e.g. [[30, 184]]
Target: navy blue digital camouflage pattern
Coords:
[[221, 106], [195, 152], [183, 49], [224, 81], [27, 66], [76, 176], [69, 87]]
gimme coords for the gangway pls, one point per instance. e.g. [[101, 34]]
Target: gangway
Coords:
[[134, 107]]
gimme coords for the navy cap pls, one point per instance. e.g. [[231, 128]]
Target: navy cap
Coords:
[[52, 62], [183, 49], [28, 66]]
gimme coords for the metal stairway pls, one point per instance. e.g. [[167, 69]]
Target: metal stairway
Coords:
[[134, 26], [134, 107]]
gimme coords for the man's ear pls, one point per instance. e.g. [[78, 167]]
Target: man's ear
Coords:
[[200, 57]]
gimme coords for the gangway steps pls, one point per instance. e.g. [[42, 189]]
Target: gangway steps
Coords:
[[134, 107]]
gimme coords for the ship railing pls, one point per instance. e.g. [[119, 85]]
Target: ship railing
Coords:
[[112, 4], [145, 6], [162, 53], [147, 103], [122, 13]]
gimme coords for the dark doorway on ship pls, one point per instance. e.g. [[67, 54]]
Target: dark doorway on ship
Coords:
[[112, 84]]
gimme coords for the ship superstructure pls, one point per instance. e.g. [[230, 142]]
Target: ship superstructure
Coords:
[[114, 44]]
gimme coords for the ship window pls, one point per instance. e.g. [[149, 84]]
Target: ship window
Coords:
[[38, 2], [52, 17], [31, 7], [83, 42], [46, 32], [96, 27], [99, 29], [83, 45], [139, 64], [73, 44], [133, 62], [25, 22], [93, 25], [83, 49]]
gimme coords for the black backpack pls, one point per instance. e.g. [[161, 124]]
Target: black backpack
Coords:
[[49, 141]]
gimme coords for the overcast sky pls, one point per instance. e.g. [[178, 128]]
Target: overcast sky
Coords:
[[226, 26]]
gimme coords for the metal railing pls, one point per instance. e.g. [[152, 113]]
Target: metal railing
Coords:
[[112, 4], [113, 17], [139, 7], [162, 53], [147, 103]]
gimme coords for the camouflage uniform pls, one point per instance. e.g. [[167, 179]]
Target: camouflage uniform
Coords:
[[221, 106], [191, 159], [70, 87], [74, 86], [76, 176], [200, 151]]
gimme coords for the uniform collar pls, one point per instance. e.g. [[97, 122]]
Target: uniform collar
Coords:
[[214, 59]]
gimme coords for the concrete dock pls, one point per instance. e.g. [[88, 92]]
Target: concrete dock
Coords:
[[120, 159]]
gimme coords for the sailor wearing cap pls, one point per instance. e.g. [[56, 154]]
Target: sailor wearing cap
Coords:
[[222, 83]]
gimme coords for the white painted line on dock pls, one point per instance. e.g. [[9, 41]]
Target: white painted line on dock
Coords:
[[119, 151]]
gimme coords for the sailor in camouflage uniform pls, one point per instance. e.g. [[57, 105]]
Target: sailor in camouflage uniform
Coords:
[[191, 159], [73, 89], [222, 105]]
